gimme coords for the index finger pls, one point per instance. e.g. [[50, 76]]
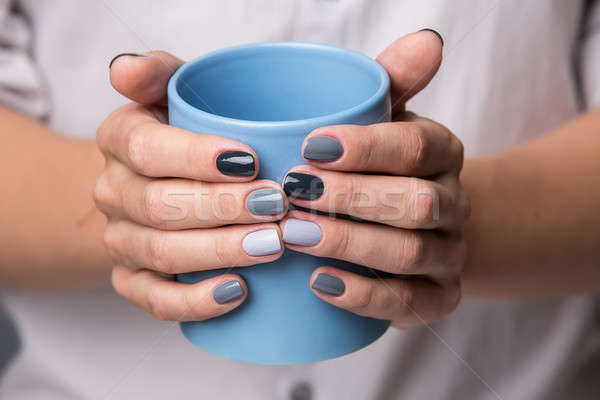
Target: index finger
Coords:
[[419, 147], [134, 136]]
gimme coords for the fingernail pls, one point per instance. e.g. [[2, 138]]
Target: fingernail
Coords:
[[304, 233], [436, 33], [329, 284], [123, 54], [228, 291], [322, 148], [303, 186], [261, 243], [265, 202], [236, 163]]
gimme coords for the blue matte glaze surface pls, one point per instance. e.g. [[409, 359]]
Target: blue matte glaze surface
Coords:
[[270, 96]]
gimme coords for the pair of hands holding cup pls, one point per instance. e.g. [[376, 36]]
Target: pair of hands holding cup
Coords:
[[236, 223]]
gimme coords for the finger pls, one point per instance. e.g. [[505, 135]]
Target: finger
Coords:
[[406, 302], [144, 78], [417, 148], [173, 204], [136, 246], [168, 300], [397, 251], [411, 62], [409, 203], [135, 137]]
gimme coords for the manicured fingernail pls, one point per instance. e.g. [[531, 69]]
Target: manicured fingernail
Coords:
[[124, 54], [304, 233], [228, 291], [303, 186], [265, 202], [436, 33], [236, 163], [322, 148], [329, 284], [261, 243]]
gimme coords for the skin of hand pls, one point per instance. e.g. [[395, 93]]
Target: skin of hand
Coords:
[[401, 179], [170, 209]]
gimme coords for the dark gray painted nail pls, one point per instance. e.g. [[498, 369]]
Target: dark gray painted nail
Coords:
[[228, 291], [329, 284], [436, 33], [265, 202], [323, 148], [236, 163], [303, 186], [123, 54]]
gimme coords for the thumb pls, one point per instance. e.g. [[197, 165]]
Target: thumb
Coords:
[[411, 62], [143, 78]]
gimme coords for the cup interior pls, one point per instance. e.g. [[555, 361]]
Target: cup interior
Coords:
[[279, 82]]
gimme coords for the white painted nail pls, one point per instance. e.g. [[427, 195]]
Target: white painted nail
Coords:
[[304, 233], [261, 243]]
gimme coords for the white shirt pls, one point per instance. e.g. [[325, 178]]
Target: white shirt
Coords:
[[513, 69]]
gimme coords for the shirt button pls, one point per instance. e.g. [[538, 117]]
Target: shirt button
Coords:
[[300, 391]]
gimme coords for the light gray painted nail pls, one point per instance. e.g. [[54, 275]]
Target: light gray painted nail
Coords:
[[323, 148], [228, 291], [329, 284], [304, 233], [265, 202], [261, 243]]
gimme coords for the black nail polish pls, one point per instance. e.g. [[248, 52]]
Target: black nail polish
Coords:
[[303, 186], [123, 54], [236, 163], [329, 284], [436, 33]]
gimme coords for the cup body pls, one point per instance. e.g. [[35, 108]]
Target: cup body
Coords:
[[270, 96]]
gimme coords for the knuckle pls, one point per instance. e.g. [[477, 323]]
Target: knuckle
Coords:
[[156, 305], [460, 257], [159, 254], [367, 148], [457, 148], [101, 193], [102, 134], [222, 251], [342, 247], [352, 194], [413, 252], [110, 241], [152, 203], [452, 298], [117, 283], [416, 146], [425, 203], [464, 206], [138, 148], [405, 301]]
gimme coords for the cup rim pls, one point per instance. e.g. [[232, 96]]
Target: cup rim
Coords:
[[174, 99]]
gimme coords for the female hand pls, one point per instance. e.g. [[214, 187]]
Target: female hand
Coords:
[[178, 201], [402, 177]]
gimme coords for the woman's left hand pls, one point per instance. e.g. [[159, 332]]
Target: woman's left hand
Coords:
[[403, 178]]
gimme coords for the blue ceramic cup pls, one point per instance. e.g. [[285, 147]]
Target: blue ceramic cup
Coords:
[[270, 96]]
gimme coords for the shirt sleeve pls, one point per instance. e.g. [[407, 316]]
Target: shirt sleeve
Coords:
[[590, 56], [21, 83]]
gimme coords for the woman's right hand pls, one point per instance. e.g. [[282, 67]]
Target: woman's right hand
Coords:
[[178, 201]]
